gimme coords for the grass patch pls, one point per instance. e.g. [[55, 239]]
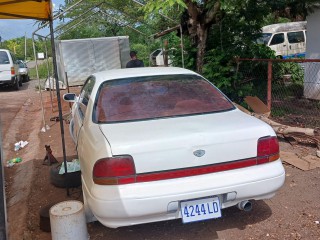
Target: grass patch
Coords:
[[42, 69]]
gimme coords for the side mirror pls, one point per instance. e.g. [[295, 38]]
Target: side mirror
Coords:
[[70, 97]]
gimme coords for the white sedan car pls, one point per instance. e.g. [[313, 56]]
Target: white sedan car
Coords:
[[157, 144]]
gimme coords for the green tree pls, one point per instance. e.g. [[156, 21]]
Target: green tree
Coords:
[[240, 21]]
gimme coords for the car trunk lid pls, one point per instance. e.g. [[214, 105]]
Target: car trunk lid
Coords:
[[186, 142]]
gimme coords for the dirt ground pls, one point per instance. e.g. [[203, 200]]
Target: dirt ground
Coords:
[[294, 213]]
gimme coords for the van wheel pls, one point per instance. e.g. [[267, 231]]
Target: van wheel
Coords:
[[16, 84], [20, 81]]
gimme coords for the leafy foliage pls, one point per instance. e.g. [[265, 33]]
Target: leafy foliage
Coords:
[[232, 38], [17, 46], [42, 70], [292, 69]]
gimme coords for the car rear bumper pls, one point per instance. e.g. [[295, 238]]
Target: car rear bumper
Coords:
[[116, 206], [9, 81]]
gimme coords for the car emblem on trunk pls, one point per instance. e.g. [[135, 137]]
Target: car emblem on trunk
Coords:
[[199, 153]]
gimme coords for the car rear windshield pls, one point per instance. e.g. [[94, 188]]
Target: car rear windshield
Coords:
[[152, 97], [4, 59]]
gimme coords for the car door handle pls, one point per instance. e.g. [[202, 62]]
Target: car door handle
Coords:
[[284, 45]]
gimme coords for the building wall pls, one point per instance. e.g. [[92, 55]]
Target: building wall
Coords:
[[312, 70]]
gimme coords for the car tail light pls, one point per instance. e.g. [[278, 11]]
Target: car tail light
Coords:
[[268, 150], [114, 170], [13, 71], [121, 169]]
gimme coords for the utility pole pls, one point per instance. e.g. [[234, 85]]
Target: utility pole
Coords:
[[25, 46]]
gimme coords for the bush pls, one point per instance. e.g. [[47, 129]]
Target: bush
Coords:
[[42, 69]]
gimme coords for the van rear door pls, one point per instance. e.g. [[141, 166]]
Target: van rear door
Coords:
[[5, 66], [297, 44]]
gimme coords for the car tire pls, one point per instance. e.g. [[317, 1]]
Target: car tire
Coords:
[[16, 84], [72, 180], [20, 81]]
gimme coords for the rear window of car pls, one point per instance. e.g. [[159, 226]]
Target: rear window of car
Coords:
[[152, 97], [4, 59]]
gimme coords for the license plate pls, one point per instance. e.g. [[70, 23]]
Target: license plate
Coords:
[[200, 209]]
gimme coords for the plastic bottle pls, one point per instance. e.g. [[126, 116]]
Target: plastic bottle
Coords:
[[15, 160]]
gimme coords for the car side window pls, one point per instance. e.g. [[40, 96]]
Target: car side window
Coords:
[[4, 59], [85, 95], [14, 59], [277, 39], [295, 37]]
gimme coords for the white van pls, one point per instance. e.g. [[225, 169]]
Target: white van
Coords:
[[9, 70], [157, 58], [286, 39]]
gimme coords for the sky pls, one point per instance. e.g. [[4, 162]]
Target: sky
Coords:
[[18, 28]]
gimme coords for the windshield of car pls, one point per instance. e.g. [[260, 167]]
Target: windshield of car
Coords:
[[4, 59], [152, 97], [21, 65], [264, 38]]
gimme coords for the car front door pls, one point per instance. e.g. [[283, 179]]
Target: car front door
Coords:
[[81, 106]]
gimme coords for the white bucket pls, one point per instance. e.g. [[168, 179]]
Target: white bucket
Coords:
[[68, 222]]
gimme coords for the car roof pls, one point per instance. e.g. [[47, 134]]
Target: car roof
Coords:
[[137, 72]]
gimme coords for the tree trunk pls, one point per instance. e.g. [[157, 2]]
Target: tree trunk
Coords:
[[202, 33], [201, 17]]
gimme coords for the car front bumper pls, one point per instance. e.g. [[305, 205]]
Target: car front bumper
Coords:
[[123, 205]]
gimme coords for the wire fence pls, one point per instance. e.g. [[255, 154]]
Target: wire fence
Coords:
[[290, 88]]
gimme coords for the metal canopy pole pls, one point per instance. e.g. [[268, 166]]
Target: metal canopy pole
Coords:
[[37, 71], [34, 51], [54, 61], [48, 73], [126, 25]]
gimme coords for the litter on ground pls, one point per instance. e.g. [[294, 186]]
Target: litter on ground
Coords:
[[13, 161], [19, 145], [73, 166]]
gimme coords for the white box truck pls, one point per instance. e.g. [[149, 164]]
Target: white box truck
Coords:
[[79, 58]]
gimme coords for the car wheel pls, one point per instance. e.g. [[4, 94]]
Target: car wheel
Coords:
[[16, 84], [20, 81], [27, 78], [72, 180]]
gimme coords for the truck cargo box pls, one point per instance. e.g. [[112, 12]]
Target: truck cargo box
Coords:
[[79, 58]]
